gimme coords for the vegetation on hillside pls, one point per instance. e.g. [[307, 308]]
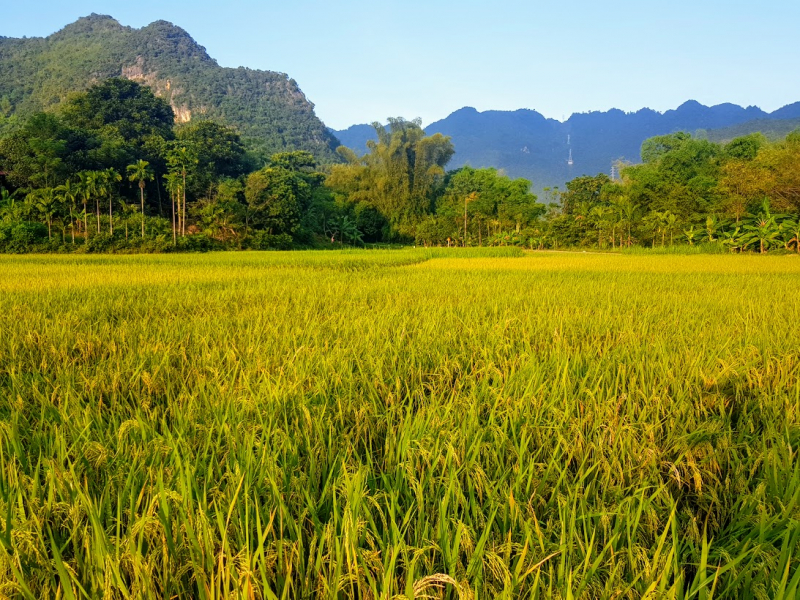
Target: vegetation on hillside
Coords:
[[111, 162], [267, 108], [772, 129]]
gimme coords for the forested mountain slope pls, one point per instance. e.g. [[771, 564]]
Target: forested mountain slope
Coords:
[[268, 108], [773, 129]]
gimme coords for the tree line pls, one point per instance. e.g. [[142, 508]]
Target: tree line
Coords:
[[110, 170], [743, 195]]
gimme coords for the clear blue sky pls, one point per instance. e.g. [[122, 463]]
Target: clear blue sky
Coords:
[[361, 61]]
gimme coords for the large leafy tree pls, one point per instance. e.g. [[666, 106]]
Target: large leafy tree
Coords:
[[278, 194], [221, 216], [220, 154], [483, 202], [655, 148], [678, 174], [44, 152], [123, 107], [126, 122], [399, 176]]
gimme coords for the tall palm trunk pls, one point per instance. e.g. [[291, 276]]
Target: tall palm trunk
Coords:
[[465, 222], [183, 230], [174, 230], [141, 194], [111, 214], [97, 209]]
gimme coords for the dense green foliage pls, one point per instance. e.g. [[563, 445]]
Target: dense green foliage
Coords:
[[111, 161], [399, 174], [402, 179], [376, 424], [268, 108], [480, 206], [741, 195], [115, 153]]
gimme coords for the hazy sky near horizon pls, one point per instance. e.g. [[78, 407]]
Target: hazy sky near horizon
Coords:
[[361, 61]]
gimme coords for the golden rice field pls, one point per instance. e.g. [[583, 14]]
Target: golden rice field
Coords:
[[400, 424]]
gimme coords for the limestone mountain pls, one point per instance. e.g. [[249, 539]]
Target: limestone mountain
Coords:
[[526, 144], [268, 108], [773, 129]]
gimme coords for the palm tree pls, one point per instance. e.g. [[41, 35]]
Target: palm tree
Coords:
[[599, 216], [99, 190], [87, 188], [173, 184], [180, 159], [469, 198], [8, 205], [68, 193], [652, 223], [82, 217], [45, 201], [141, 172], [630, 214], [110, 177]]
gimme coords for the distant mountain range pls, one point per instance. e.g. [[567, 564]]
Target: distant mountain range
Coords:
[[773, 129], [267, 107], [271, 111], [526, 144]]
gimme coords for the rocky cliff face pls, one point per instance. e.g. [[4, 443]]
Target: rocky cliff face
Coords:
[[268, 108]]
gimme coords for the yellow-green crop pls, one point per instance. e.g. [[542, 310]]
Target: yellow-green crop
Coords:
[[396, 424]]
